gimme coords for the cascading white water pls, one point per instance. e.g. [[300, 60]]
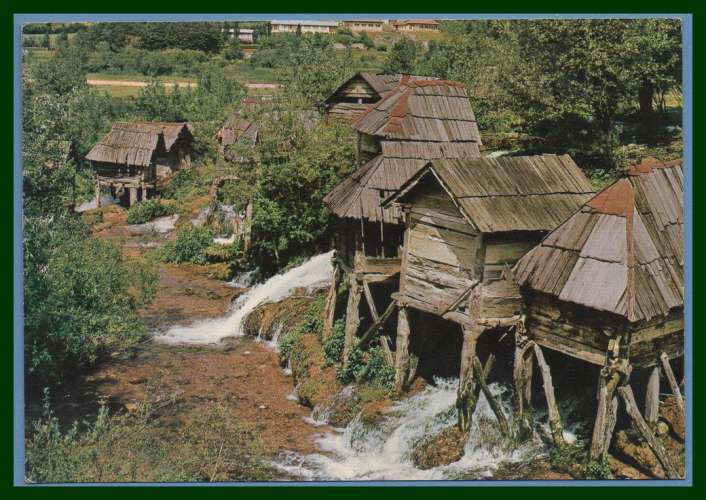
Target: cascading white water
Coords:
[[383, 451], [312, 274]]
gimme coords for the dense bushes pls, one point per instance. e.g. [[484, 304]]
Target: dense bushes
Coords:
[[80, 298], [190, 245], [333, 346], [210, 446], [148, 210]]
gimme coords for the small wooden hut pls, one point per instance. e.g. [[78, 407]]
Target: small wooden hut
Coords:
[[467, 222], [131, 157], [352, 97], [418, 120], [607, 287], [236, 130]]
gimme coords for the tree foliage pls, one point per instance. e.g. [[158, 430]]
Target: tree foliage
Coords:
[[80, 298], [402, 57]]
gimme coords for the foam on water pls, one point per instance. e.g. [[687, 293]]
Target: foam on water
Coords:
[[312, 274], [161, 225], [106, 200], [384, 451]]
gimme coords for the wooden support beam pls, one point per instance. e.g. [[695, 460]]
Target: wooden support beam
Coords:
[[552, 409], [402, 349], [466, 397], [97, 193], [352, 317], [385, 345], [371, 302], [494, 405], [606, 412], [133, 196], [660, 452], [330, 309], [522, 376], [375, 327], [499, 322], [667, 368], [652, 397]]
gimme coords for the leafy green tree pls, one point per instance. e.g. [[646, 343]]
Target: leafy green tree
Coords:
[[402, 57], [575, 78], [233, 50], [296, 164], [80, 298], [65, 71], [314, 70]]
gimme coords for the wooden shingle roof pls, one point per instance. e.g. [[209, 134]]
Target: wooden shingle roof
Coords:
[[622, 252], [422, 110], [134, 143], [381, 83], [359, 195], [511, 193]]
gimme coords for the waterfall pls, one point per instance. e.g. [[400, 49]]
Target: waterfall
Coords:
[[312, 274], [383, 451]]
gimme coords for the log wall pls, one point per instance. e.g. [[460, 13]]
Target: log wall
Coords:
[[441, 249]]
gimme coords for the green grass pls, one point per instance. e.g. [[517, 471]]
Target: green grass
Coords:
[[244, 72]]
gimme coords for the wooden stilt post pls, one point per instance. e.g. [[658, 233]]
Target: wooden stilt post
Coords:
[[626, 393], [674, 386], [522, 375], [97, 193], [371, 302], [466, 397], [494, 405], [330, 309], [133, 196], [385, 345], [652, 397], [606, 413], [402, 349], [552, 409], [352, 317]]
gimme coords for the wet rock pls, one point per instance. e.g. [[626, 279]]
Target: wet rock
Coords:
[[341, 408], [440, 449]]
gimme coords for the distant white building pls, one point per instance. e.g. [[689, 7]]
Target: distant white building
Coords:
[[304, 26], [245, 35], [364, 25]]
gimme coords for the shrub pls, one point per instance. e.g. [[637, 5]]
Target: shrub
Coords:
[[80, 299], [378, 369], [145, 211], [190, 245], [333, 346], [186, 183]]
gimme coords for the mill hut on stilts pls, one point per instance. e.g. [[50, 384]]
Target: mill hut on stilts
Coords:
[[607, 287], [416, 121], [467, 222]]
